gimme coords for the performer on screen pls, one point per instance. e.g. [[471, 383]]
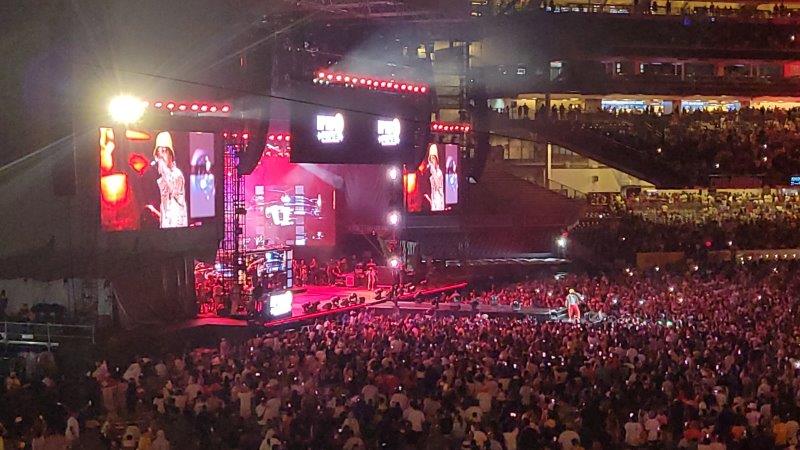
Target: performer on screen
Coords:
[[436, 199], [171, 184], [573, 305]]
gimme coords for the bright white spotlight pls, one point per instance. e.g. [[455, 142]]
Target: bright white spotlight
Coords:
[[126, 109], [394, 262], [393, 173], [561, 242], [393, 218]]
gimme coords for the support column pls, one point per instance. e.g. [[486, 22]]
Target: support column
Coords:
[[549, 166]]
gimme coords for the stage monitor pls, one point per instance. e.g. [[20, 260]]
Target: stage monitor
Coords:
[[289, 204], [338, 125], [157, 179], [280, 304], [432, 186]]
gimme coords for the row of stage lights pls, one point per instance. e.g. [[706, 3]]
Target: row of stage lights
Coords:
[[191, 107], [127, 109], [444, 127], [272, 137], [351, 80]]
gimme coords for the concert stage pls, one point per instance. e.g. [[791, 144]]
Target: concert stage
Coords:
[[212, 328], [303, 296]]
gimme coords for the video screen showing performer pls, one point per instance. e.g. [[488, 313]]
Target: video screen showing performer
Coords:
[[433, 186], [144, 182]]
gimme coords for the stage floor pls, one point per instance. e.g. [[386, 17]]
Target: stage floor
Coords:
[[324, 293]]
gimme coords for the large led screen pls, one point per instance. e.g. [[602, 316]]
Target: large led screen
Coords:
[[156, 179], [358, 127], [432, 186], [288, 204]]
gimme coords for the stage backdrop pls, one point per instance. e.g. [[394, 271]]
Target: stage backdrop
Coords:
[[291, 204]]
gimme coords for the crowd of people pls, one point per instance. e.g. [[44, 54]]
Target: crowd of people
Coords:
[[697, 144], [691, 221], [705, 359]]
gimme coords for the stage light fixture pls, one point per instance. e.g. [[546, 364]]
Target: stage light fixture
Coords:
[[393, 173], [226, 108], [561, 242], [394, 262], [393, 218], [126, 109]]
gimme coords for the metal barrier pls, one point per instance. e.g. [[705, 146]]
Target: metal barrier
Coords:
[[43, 334]]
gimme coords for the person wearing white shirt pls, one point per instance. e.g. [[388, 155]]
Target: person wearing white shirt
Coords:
[[400, 399], [566, 438], [415, 417], [245, 403], [73, 431], [270, 442], [633, 433], [473, 414], [653, 428], [369, 392]]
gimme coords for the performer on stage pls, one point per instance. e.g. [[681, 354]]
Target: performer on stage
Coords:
[[372, 275], [573, 305], [171, 184]]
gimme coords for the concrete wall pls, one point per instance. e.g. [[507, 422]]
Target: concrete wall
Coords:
[[608, 179]]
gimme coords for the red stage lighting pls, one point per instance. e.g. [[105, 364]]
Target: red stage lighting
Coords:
[[138, 163], [170, 106], [338, 78], [158, 104], [195, 107], [271, 137], [423, 89], [288, 138], [204, 108], [213, 108], [182, 107], [226, 108], [280, 137], [321, 75], [114, 188], [383, 84], [416, 88], [245, 136], [402, 87]]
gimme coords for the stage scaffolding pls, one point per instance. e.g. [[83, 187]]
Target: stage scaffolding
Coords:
[[229, 256]]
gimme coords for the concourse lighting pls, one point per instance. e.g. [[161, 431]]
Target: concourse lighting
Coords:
[[126, 109], [393, 218]]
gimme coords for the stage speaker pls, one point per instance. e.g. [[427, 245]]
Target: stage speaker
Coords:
[[249, 158]]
